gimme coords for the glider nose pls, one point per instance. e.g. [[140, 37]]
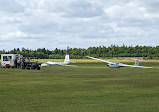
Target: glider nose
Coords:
[[107, 65]]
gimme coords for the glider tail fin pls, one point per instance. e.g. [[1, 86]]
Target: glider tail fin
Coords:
[[67, 58], [136, 63]]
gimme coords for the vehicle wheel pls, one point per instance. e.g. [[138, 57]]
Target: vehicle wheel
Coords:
[[33, 68], [38, 68]]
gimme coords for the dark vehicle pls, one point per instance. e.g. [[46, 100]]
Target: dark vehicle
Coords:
[[30, 65]]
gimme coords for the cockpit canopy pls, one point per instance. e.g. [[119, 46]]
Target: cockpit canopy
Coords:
[[114, 65]]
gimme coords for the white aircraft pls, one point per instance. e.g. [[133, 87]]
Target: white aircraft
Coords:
[[65, 63], [118, 64]]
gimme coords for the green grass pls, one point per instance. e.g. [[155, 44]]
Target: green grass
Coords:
[[91, 87]]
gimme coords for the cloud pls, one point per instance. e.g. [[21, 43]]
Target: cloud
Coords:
[[21, 35], [11, 6], [78, 23], [71, 8]]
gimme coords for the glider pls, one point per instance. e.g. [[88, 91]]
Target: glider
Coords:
[[118, 64], [65, 63]]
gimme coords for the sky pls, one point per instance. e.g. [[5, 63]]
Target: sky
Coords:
[[78, 23]]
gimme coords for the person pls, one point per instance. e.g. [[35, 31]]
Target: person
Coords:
[[15, 63], [28, 59], [18, 61], [23, 59]]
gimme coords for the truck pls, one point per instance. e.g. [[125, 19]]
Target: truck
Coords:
[[10, 60], [18, 61]]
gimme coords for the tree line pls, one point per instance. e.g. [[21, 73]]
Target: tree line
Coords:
[[147, 52]]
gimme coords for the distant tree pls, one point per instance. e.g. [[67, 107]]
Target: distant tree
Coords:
[[146, 52]]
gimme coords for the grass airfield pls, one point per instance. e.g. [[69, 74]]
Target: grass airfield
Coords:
[[91, 87]]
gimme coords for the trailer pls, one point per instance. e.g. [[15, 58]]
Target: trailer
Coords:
[[30, 65]]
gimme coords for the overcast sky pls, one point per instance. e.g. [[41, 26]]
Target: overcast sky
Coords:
[[78, 23]]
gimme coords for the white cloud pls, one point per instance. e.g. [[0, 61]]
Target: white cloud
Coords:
[[78, 23], [19, 34]]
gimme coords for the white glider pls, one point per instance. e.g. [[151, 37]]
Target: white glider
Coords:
[[65, 63], [118, 64]]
